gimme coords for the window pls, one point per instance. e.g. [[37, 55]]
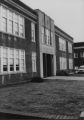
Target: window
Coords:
[[22, 61], [48, 37], [70, 63], [63, 63], [17, 60], [82, 54], [51, 40], [69, 47], [33, 32], [21, 26], [12, 22], [34, 69], [4, 19], [16, 25], [75, 55], [62, 44], [5, 59], [43, 38], [12, 60]]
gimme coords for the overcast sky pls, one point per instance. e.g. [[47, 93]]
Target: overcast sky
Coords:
[[67, 14]]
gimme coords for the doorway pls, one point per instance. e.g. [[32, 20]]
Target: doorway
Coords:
[[47, 65]]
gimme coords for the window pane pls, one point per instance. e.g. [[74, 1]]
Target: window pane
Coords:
[[5, 64], [5, 52], [4, 12], [21, 28], [33, 32], [10, 15], [43, 39], [62, 44], [4, 24], [16, 28], [10, 26]]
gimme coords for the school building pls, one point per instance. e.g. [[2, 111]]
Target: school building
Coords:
[[31, 44]]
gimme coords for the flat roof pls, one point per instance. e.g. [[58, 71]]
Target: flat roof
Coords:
[[59, 29]]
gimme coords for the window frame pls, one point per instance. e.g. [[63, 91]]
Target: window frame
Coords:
[[33, 37], [13, 22]]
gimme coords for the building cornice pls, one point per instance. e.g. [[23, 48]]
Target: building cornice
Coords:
[[21, 8], [60, 32]]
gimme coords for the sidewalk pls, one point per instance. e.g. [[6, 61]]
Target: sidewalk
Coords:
[[65, 78]]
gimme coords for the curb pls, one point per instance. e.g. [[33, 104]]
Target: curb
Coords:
[[5, 114]]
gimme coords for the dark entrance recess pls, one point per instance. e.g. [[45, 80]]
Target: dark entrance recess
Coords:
[[47, 65]]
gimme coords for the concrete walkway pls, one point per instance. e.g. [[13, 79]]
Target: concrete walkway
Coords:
[[66, 78]]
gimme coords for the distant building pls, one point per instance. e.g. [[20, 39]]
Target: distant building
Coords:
[[64, 50], [78, 54]]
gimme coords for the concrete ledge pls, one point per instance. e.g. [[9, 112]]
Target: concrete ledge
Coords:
[[5, 114]]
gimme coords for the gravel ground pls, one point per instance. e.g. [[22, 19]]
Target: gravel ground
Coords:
[[50, 97]]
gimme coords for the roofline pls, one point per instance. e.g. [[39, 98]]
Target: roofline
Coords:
[[30, 12], [56, 27], [43, 13]]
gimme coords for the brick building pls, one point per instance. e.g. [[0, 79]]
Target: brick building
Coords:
[[78, 54], [29, 44], [17, 41], [64, 50]]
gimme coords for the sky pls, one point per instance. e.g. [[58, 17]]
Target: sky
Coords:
[[67, 15]]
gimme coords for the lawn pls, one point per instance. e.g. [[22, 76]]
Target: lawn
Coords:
[[50, 97]]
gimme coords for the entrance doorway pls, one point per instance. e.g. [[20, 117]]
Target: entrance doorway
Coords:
[[47, 65]]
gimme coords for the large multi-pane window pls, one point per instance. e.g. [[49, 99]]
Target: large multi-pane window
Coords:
[[63, 63], [82, 54], [47, 36], [33, 32], [12, 60], [34, 68], [70, 63], [12, 22], [62, 44], [69, 47]]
